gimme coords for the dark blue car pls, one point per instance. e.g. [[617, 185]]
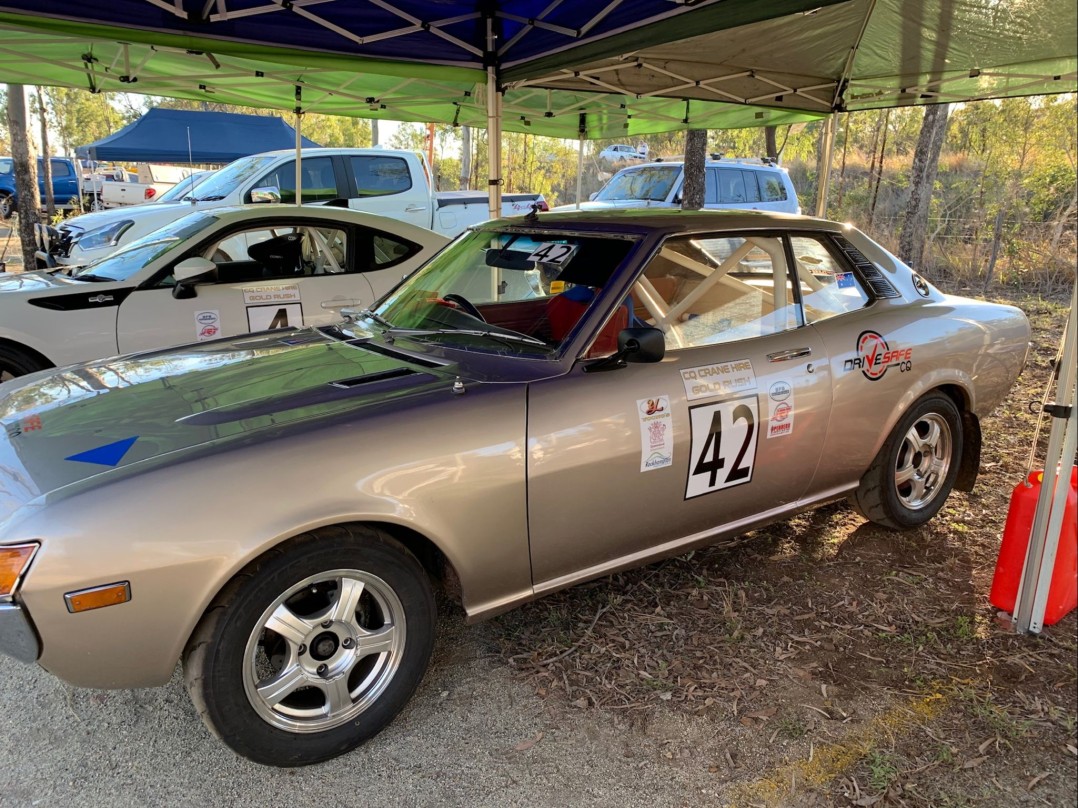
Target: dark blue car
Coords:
[[65, 183]]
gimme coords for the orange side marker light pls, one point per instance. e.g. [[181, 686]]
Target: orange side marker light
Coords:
[[98, 597]]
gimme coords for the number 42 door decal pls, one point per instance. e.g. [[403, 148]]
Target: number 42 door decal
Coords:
[[723, 450]]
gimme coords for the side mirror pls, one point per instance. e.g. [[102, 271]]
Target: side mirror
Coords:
[[638, 345], [189, 272], [268, 194]]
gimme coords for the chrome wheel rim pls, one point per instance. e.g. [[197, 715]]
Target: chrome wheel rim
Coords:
[[924, 458], [324, 651]]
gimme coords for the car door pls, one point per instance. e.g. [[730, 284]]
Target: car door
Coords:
[[384, 185], [729, 426], [65, 184], [297, 272]]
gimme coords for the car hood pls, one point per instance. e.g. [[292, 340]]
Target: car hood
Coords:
[[91, 221], [617, 203], [64, 430], [37, 282]]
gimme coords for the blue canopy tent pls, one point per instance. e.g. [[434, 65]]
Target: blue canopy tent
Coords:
[[186, 136]]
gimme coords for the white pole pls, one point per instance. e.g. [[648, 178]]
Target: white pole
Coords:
[[1048, 518], [579, 169], [299, 157], [824, 183], [494, 132]]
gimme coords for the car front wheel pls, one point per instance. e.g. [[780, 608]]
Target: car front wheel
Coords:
[[313, 648], [914, 472]]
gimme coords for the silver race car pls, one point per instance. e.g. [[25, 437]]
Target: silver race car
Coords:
[[547, 401]]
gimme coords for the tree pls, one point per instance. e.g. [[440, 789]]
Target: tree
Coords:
[[46, 165], [692, 192], [911, 244], [465, 156], [22, 154]]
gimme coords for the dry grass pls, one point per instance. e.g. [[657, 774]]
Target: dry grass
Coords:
[[838, 663]]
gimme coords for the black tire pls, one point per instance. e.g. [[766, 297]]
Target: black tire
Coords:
[[7, 206], [233, 646], [14, 362], [914, 472]]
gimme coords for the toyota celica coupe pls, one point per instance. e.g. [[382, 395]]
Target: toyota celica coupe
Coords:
[[546, 401]]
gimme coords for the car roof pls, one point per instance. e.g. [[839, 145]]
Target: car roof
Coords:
[[664, 220], [282, 211], [328, 150]]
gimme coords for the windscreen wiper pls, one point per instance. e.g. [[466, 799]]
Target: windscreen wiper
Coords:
[[468, 332]]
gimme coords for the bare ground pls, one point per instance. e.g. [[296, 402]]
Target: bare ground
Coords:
[[827, 661]]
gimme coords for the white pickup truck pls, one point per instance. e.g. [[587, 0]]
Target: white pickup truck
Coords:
[[388, 182]]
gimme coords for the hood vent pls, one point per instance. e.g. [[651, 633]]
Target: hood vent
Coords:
[[371, 378], [385, 350]]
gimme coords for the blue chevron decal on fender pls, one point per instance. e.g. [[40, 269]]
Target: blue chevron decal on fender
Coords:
[[108, 455]]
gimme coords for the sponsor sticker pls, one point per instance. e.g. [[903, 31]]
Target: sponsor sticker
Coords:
[[874, 357], [31, 424], [780, 410], [719, 379], [207, 325], [656, 433], [266, 318], [265, 295]]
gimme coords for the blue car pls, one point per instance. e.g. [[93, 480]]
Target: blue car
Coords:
[[65, 183]]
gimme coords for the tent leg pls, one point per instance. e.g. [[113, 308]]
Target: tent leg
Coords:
[[579, 169], [1048, 518], [824, 184], [494, 144], [299, 158]]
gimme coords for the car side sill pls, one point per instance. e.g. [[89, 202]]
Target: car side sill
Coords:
[[666, 550]]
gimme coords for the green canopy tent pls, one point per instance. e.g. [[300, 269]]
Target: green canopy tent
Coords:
[[587, 69]]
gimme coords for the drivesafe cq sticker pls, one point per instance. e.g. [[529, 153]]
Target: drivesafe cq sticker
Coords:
[[207, 325], [656, 433]]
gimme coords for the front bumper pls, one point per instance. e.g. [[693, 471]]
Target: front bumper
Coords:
[[17, 636]]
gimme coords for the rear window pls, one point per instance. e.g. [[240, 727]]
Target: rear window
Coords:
[[772, 188], [380, 176]]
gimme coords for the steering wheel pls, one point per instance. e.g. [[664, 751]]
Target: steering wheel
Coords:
[[465, 304]]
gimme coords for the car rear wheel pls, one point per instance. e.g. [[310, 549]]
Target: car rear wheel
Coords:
[[313, 648], [914, 472], [14, 362], [7, 206]]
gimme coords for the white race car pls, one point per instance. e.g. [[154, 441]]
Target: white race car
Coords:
[[213, 273]]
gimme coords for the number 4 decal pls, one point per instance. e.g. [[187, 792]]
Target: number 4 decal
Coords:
[[723, 445]]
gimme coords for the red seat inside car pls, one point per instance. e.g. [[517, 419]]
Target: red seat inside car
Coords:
[[565, 310]]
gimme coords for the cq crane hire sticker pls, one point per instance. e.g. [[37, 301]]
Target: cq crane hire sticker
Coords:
[[875, 356]]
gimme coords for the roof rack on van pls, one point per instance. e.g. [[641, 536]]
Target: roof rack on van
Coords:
[[767, 161]]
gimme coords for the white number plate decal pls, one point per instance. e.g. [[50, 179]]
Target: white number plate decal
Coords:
[[551, 253], [723, 445]]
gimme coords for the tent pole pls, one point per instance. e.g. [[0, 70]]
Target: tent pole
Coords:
[[1033, 586], [299, 157], [824, 183], [494, 144], [579, 168]]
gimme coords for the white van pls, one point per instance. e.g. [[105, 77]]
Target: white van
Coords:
[[745, 183]]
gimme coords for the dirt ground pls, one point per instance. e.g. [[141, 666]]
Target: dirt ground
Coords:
[[826, 661]]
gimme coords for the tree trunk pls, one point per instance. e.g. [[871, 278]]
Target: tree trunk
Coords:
[[465, 157], [25, 161], [46, 166], [842, 170], [692, 192], [997, 238], [771, 145], [911, 243], [879, 171], [374, 131]]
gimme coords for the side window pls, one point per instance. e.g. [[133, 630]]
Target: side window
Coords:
[[319, 182], [752, 190], [286, 251], [731, 186], [711, 186], [772, 187], [702, 290], [828, 287], [60, 168], [380, 176], [378, 250]]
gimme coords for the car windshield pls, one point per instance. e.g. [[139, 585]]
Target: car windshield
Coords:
[[125, 262], [183, 187], [645, 184], [494, 291], [225, 181]]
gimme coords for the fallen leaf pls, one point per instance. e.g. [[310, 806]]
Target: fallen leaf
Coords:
[[984, 746], [524, 746], [746, 721], [974, 762], [765, 713], [867, 801], [1036, 780]]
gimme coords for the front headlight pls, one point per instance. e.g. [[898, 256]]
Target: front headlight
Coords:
[[106, 236]]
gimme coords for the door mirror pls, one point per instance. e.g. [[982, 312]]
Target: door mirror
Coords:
[[194, 269], [189, 272], [267, 194], [642, 345]]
